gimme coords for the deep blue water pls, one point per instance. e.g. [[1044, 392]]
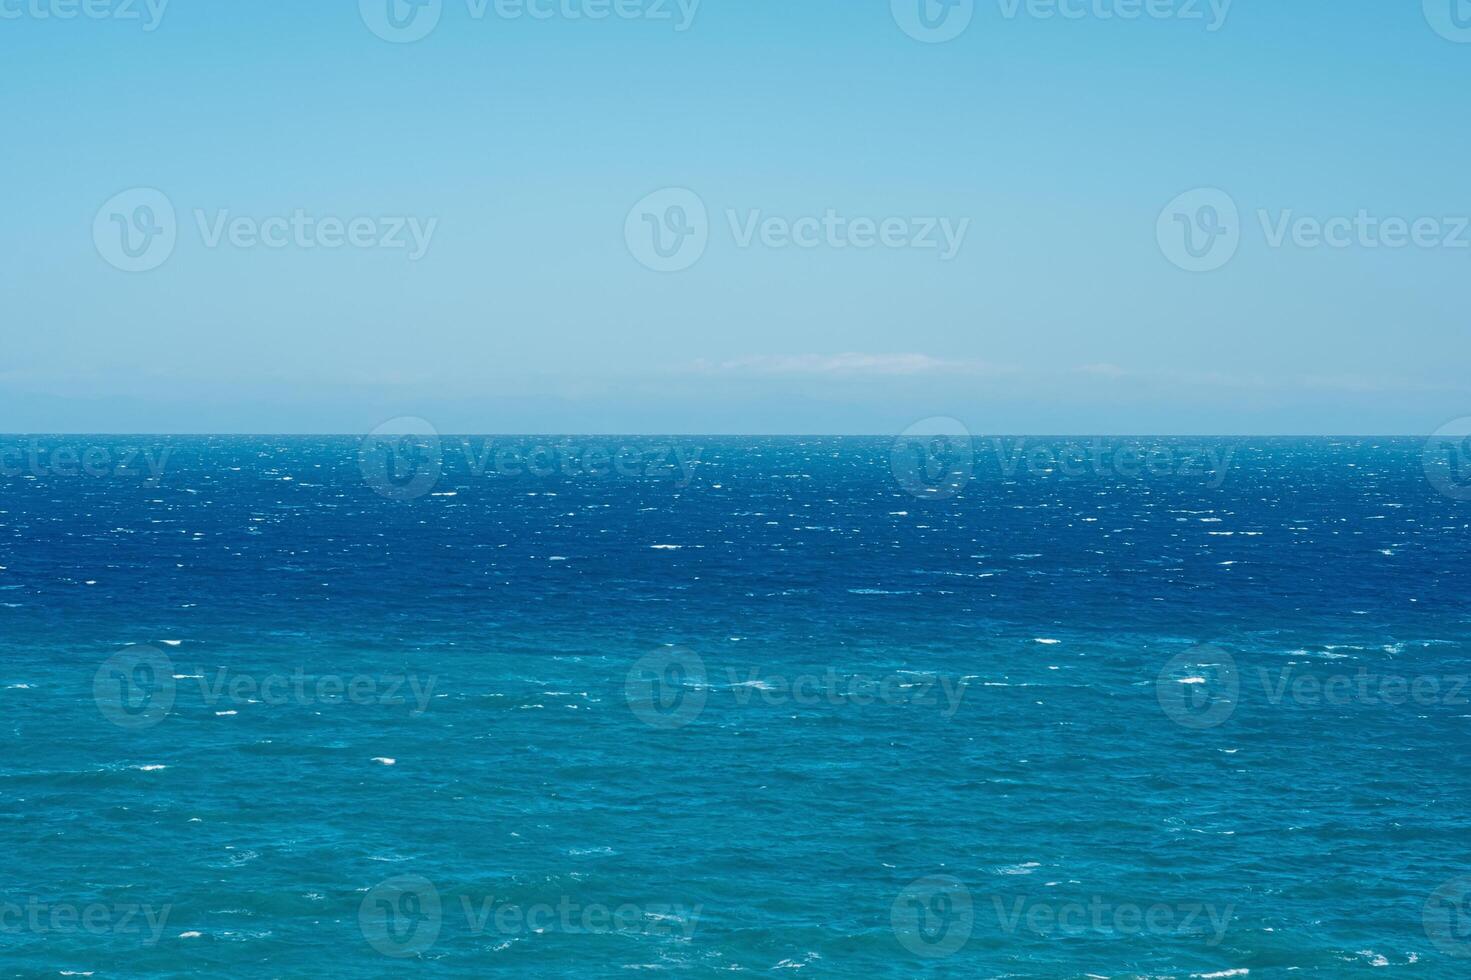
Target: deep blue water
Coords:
[[260, 717]]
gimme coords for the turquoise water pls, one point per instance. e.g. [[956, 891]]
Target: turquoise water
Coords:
[[274, 708]]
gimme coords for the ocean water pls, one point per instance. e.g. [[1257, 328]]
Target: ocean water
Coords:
[[290, 707]]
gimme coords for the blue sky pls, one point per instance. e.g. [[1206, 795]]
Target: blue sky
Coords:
[[1059, 151]]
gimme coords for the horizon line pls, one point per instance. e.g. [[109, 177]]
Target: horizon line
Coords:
[[727, 435]]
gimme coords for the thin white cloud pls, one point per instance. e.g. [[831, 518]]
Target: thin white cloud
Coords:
[[849, 364]]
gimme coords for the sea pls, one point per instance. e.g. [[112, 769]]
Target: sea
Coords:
[[940, 706]]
